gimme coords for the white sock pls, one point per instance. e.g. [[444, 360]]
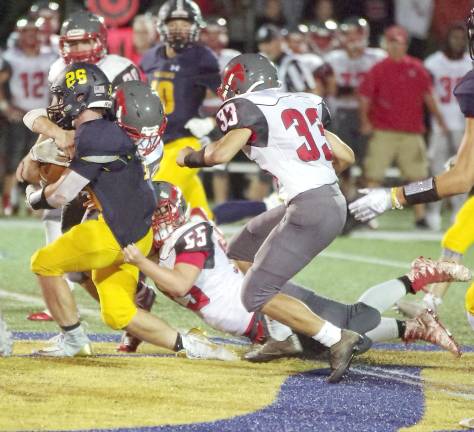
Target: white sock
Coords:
[[383, 296], [52, 230], [470, 319], [432, 301], [386, 330], [277, 330], [328, 335]]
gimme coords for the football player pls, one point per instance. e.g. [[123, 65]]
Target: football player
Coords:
[[191, 254], [105, 160], [83, 37], [459, 179], [283, 133], [6, 341], [180, 70]]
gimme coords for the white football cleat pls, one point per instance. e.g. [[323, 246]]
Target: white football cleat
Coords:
[[467, 423], [67, 345], [198, 346], [6, 341]]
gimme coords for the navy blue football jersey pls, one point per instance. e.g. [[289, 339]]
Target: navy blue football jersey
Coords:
[[127, 200], [464, 93], [181, 83]]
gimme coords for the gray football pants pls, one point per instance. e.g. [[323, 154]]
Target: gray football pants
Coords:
[[282, 241]]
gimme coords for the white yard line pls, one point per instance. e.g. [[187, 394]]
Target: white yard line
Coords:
[[365, 259], [37, 301]]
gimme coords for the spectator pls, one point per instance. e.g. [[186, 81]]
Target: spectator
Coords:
[[447, 12], [323, 10], [447, 67], [272, 13], [393, 94], [24, 71], [415, 16], [293, 75], [144, 36], [350, 64]]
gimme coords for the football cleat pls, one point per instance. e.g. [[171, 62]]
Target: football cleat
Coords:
[[128, 343], [198, 346], [411, 309], [467, 423], [273, 349], [6, 341], [427, 327], [67, 345], [342, 353], [425, 271], [40, 316]]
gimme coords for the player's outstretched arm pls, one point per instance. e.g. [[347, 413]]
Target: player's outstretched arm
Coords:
[[217, 152], [176, 282]]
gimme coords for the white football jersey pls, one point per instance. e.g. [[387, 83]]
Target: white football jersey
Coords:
[[215, 296], [288, 138], [349, 72], [446, 74], [116, 68], [28, 81]]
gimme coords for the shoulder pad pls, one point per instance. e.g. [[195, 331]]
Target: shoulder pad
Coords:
[[196, 238]]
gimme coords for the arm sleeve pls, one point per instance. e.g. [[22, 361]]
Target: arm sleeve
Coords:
[[197, 259], [240, 113], [72, 184], [464, 93]]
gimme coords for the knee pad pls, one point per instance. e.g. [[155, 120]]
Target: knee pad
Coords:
[[363, 318], [118, 318], [469, 300]]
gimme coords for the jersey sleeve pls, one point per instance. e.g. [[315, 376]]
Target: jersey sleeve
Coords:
[[196, 259], [209, 74], [241, 113], [464, 93], [130, 73]]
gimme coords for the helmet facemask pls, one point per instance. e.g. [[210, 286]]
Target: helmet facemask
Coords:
[[146, 140], [56, 110], [179, 39]]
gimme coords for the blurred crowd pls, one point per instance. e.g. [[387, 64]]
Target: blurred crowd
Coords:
[[386, 68]]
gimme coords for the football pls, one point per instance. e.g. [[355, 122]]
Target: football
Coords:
[[50, 173]]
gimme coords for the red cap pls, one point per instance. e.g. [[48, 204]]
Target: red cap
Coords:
[[397, 34]]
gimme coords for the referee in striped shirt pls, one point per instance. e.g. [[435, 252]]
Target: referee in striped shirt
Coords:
[[294, 75]]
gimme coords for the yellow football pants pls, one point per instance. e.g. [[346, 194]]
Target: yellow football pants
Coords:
[[91, 245], [459, 237], [186, 179]]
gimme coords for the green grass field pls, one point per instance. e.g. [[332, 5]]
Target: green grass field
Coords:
[[348, 267]]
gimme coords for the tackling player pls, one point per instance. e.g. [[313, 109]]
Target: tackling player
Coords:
[[105, 160], [191, 254], [180, 70]]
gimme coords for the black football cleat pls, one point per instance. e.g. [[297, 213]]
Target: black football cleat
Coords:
[[342, 353]]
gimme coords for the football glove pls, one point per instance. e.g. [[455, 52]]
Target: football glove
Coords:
[[374, 203], [200, 127], [35, 198]]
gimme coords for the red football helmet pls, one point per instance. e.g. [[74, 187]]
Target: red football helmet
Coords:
[[83, 26], [171, 211]]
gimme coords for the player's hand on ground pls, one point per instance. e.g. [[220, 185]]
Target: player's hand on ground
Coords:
[[374, 203], [65, 141], [182, 154], [200, 127], [132, 254]]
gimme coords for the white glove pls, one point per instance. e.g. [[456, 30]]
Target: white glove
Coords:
[[200, 127], [374, 203]]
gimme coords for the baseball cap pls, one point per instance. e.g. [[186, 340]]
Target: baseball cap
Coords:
[[267, 33], [397, 34]]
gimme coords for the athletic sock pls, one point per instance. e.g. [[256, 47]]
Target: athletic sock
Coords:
[[277, 330], [383, 296], [405, 280], [386, 330], [328, 335], [71, 327], [178, 345], [470, 319]]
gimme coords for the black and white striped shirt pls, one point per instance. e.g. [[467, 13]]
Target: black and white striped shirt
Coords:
[[294, 75]]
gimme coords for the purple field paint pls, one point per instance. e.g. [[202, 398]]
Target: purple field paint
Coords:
[[306, 403]]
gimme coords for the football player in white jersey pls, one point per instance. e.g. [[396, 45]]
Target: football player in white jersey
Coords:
[[283, 133], [24, 71], [191, 267], [350, 63], [447, 67]]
